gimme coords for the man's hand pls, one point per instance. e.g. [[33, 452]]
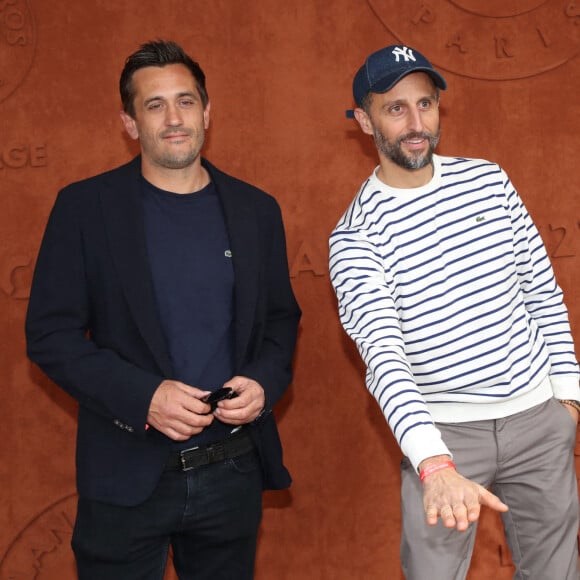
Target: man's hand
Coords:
[[457, 500], [177, 412], [246, 406]]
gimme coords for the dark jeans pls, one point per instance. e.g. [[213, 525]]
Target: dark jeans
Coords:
[[209, 515]]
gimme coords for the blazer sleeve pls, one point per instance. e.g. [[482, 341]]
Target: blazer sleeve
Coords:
[[59, 324], [273, 344]]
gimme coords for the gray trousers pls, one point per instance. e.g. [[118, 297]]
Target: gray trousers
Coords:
[[527, 460]]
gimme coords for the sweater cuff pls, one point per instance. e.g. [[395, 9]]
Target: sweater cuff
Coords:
[[423, 442], [565, 387]]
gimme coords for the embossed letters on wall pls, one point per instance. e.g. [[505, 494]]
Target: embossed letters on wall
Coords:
[[17, 44], [493, 40]]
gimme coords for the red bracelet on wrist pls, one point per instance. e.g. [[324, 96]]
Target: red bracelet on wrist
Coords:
[[427, 471]]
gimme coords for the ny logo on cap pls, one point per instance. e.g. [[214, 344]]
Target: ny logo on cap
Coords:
[[405, 52]]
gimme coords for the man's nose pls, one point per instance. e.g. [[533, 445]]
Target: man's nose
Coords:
[[416, 121], [173, 116]]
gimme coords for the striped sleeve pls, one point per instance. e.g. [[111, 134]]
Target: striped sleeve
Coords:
[[369, 317], [543, 297]]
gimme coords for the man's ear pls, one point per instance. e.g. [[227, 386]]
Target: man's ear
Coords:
[[364, 121], [130, 125], [206, 116]]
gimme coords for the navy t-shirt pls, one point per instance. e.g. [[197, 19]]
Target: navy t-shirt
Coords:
[[193, 279]]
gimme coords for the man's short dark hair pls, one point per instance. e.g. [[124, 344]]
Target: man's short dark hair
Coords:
[[158, 53]]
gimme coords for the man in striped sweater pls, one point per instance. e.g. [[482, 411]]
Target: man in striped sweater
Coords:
[[445, 286]]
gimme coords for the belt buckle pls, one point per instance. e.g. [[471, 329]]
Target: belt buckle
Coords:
[[183, 459]]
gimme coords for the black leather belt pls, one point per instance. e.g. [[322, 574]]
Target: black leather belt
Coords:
[[233, 446]]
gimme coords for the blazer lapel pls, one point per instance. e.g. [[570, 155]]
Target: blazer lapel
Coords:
[[123, 216], [242, 230]]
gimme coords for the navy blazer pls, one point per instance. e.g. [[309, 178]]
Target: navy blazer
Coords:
[[93, 325]]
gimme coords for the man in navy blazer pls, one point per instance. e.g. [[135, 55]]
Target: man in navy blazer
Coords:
[[156, 284]]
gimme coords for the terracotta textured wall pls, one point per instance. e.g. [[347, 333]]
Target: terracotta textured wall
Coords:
[[279, 77]]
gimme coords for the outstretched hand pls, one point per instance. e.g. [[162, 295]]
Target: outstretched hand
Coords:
[[455, 499]]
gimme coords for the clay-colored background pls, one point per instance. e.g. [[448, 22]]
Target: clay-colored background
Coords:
[[279, 78]]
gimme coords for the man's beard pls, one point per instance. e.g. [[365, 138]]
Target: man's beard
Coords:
[[182, 159], [394, 152]]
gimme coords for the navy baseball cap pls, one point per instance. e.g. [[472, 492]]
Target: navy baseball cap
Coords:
[[386, 67]]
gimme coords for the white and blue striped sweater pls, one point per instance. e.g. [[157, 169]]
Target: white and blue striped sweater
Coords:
[[451, 299]]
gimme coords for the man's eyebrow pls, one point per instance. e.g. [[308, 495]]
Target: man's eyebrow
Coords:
[[395, 102], [163, 98], [398, 101], [403, 101], [187, 94], [151, 99]]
